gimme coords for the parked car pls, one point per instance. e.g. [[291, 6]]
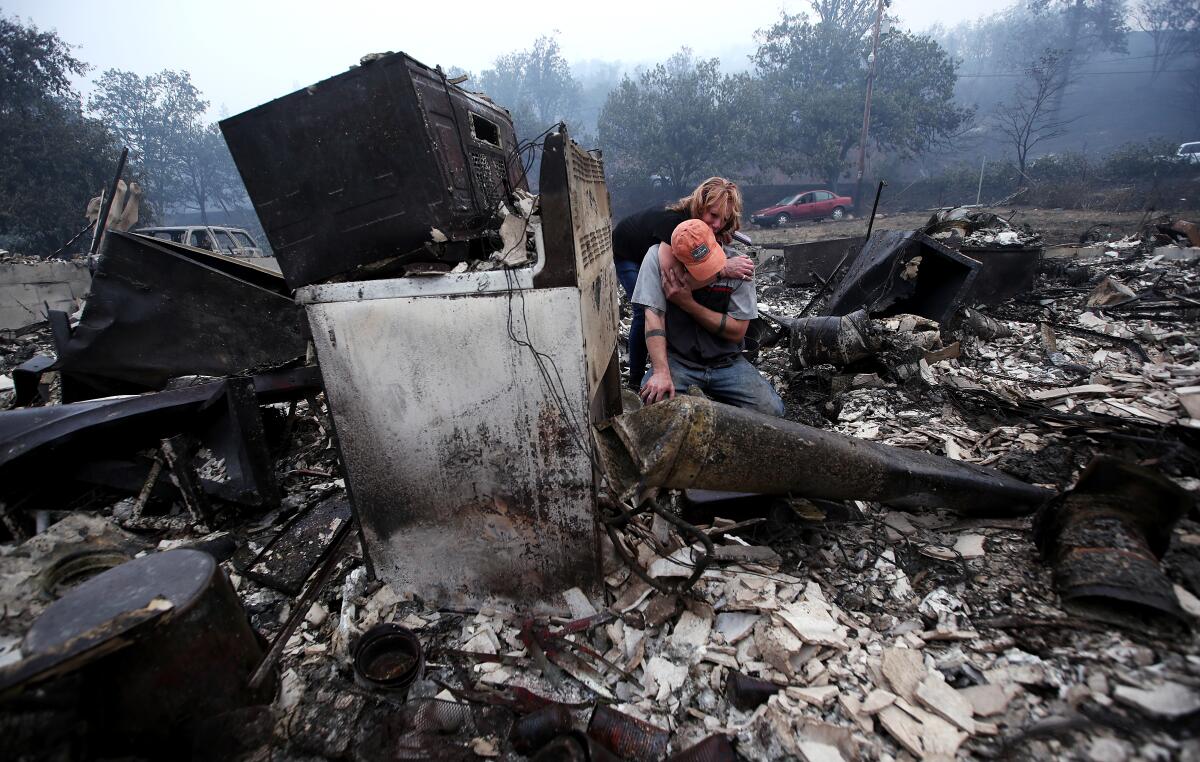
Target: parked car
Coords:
[[1189, 152], [809, 205], [232, 242]]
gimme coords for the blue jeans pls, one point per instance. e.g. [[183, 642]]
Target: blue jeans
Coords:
[[627, 273], [739, 384]]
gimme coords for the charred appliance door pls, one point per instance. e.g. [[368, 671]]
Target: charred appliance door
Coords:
[[359, 169]]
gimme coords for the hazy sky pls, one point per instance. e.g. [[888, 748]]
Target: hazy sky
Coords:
[[245, 52]]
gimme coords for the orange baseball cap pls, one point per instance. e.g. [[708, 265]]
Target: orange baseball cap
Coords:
[[696, 248]]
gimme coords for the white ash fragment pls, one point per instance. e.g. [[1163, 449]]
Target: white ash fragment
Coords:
[[578, 603], [1167, 701]]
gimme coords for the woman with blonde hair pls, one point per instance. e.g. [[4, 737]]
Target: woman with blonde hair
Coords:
[[716, 202]]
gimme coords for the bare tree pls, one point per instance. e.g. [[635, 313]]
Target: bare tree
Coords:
[[1030, 117], [1173, 26]]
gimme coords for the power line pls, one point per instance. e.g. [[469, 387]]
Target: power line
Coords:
[[1079, 74]]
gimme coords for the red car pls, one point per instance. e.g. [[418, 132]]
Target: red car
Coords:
[[809, 205]]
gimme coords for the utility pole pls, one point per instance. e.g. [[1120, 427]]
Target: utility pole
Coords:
[[862, 140]]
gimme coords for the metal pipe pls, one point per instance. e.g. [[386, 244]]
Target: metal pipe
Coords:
[[692, 442], [1104, 539], [979, 190], [106, 203], [874, 208]]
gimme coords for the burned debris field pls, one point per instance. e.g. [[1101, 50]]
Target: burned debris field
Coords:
[[364, 467]]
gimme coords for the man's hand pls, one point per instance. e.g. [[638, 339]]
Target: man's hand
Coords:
[[675, 285], [658, 387], [738, 268]]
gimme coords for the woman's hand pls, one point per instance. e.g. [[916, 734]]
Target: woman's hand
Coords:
[[738, 268]]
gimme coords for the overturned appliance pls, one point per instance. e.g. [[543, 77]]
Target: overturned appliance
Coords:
[[904, 272], [692, 442], [463, 402], [371, 165], [1009, 257], [1105, 537], [158, 310]]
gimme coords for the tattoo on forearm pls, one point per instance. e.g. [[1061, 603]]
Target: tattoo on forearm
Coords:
[[656, 332], [721, 327]]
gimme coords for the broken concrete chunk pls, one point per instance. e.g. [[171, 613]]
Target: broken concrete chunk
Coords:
[[1167, 701], [821, 696], [899, 522], [1109, 292], [986, 700], [735, 625], [904, 668], [813, 624], [853, 708], [944, 701], [678, 564], [1187, 601], [778, 646], [578, 603], [663, 677], [969, 545], [691, 631], [876, 700], [903, 728]]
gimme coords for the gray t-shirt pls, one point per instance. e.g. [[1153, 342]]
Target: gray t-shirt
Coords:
[[687, 340]]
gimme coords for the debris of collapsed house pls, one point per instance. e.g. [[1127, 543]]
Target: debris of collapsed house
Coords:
[[861, 581]]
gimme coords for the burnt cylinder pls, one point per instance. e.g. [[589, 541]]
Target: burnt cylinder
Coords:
[[695, 443], [195, 663]]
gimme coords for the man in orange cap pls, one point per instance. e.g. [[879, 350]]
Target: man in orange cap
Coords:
[[695, 323]]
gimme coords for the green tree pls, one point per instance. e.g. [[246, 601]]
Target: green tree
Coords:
[[678, 120], [52, 157], [535, 85], [160, 117], [813, 82]]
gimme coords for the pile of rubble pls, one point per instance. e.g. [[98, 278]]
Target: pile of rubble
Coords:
[[974, 533], [803, 628]]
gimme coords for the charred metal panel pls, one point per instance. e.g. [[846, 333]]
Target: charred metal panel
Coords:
[[690, 442], [289, 558], [464, 450], [156, 312], [802, 260], [359, 167], [236, 436], [1003, 273], [887, 278], [40, 445], [577, 229]]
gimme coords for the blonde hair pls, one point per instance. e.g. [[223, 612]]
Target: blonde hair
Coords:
[[713, 191]]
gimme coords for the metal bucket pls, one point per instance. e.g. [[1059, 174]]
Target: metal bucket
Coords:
[[388, 656]]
